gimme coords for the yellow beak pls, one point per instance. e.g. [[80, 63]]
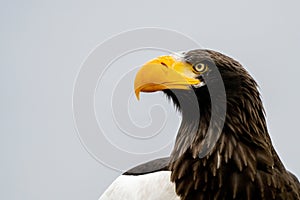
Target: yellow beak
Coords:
[[162, 73]]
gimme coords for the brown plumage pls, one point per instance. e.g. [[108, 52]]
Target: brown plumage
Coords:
[[222, 149], [243, 163]]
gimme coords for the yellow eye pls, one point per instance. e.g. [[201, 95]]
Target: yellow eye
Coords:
[[200, 67]]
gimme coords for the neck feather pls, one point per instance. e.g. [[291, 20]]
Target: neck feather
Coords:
[[243, 147]]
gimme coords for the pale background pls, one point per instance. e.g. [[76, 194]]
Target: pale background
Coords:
[[43, 44]]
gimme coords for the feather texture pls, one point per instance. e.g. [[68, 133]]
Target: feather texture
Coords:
[[243, 163]]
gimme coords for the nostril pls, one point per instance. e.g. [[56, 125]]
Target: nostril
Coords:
[[164, 64]]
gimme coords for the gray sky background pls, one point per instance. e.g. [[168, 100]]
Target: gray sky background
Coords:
[[43, 44]]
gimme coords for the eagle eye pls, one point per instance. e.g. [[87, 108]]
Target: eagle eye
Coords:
[[200, 67]]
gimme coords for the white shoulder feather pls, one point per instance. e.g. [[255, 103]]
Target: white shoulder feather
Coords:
[[153, 186]]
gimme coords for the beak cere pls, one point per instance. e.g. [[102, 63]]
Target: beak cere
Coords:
[[163, 73]]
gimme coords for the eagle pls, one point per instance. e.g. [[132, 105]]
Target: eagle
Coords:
[[222, 149]]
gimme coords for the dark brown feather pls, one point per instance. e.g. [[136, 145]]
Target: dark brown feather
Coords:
[[161, 164], [243, 163]]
